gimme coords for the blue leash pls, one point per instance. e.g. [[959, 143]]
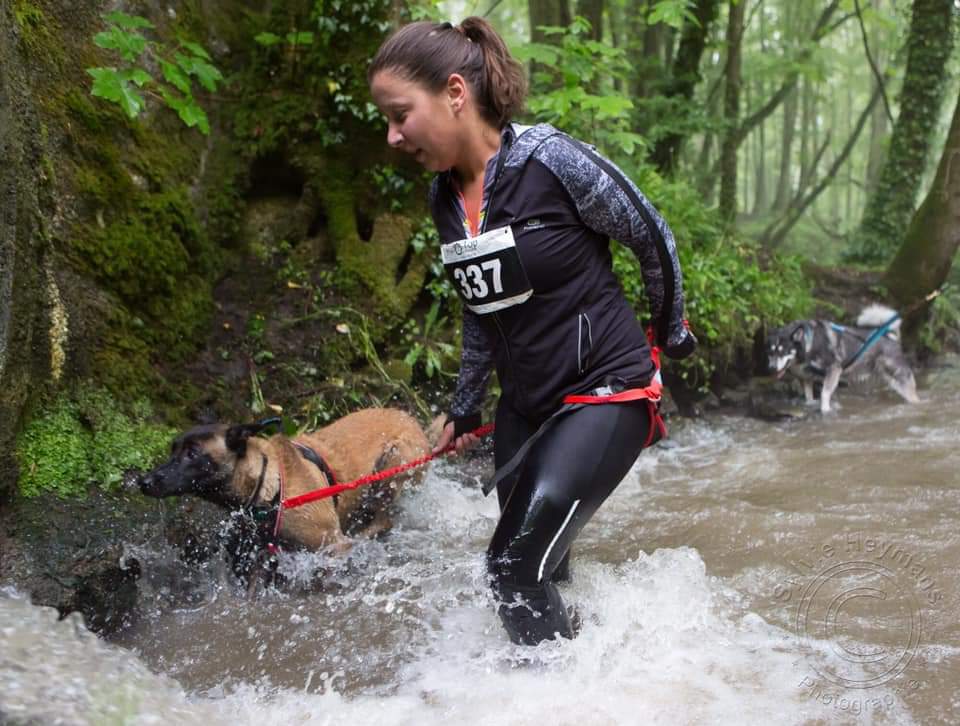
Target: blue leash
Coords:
[[871, 339]]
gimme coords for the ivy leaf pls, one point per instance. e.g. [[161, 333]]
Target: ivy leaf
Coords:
[[192, 115], [174, 76], [206, 73], [188, 110], [139, 76], [110, 85], [128, 45], [267, 39], [130, 22], [196, 49]]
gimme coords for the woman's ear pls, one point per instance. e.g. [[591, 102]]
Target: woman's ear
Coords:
[[457, 91]]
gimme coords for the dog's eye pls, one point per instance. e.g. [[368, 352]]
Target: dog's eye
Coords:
[[191, 451]]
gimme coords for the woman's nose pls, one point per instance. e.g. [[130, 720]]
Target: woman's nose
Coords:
[[394, 137]]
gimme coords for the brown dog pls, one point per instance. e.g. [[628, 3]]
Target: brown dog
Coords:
[[231, 466]]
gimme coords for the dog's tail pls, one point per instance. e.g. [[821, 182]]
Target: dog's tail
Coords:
[[873, 316]]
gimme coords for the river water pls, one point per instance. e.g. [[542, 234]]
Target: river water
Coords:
[[744, 572]]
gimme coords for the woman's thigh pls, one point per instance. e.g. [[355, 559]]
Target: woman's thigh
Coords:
[[565, 477]]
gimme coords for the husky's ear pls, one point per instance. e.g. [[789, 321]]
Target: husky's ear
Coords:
[[798, 334], [236, 436]]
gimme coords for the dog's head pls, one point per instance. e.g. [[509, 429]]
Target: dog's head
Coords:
[[785, 346], [203, 461]]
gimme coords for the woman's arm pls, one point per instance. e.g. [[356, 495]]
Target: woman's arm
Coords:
[[609, 203]]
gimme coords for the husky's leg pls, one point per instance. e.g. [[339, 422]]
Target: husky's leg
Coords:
[[901, 380], [830, 383], [808, 391]]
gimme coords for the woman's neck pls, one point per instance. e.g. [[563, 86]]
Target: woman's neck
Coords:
[[480, 144]]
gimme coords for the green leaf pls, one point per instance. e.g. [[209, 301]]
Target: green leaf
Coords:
[[206, 73], [110, 85], [192, 115], [130, 22], [267, 39], [187, 109], [537, 52], [672, 13], [139, 76], [303, 37], [174, 76], [195, 48], [128, 45]]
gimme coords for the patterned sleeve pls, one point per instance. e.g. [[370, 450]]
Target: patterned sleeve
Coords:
[[609, 203], [476, 363]]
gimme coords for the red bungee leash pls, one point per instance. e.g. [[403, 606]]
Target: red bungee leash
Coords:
[[316, 494], [651, 393]]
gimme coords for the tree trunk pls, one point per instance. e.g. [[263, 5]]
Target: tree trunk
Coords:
[[684, 79], [777, 231], [923, 261], [760, 201], [731, 111], [592, 10], [878, 148], [889, 208], [785, 180], [545, 12]]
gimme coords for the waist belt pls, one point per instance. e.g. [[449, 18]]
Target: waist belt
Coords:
[[571, 403]]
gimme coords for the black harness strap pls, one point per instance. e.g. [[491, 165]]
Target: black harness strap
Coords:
[[314, 458]]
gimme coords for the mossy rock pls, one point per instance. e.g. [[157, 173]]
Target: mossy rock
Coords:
[[85, 436]]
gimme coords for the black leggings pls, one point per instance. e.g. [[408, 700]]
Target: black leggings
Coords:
[[564, 478]]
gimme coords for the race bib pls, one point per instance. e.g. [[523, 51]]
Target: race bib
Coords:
[[487, 271]]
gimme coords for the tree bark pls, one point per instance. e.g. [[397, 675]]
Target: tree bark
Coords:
[[592, 10], [930, 245], [889, 208], [545, 12], [785, 180], [684, 79], [731, 111]]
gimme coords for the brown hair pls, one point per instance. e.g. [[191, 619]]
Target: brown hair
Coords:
[[427, 53]]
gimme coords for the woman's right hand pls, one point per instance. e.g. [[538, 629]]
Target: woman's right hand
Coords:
[[447, 436]]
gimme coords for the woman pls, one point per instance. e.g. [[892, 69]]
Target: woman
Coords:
[[525, 215]]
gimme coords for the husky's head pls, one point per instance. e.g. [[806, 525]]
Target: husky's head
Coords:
[[785, 347]]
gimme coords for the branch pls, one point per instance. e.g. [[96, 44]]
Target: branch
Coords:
[[819, 32], [774, 238], [873, 65]]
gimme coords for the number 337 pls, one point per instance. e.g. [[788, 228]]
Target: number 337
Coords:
[[472, 282]]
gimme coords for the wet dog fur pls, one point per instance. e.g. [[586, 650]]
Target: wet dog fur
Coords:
[[232, 467], [816, 350]]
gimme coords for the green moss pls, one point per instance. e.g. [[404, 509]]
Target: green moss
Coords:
[[36, 34], [85, 436], [53, 452]]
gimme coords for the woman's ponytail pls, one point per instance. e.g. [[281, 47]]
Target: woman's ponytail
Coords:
[[428, 53]]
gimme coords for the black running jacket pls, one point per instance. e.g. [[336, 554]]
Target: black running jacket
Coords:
[[572, 330]]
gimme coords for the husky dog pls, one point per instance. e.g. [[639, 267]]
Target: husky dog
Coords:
[[817, 350]]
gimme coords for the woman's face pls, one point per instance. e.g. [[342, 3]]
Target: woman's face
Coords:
[[419, 121]]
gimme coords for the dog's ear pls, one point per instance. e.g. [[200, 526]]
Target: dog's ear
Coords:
[[236, 436], [798, 334]]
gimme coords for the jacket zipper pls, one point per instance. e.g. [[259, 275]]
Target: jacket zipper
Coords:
[[501, 161]]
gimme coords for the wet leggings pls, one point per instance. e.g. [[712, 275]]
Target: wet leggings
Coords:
[[565, 477]]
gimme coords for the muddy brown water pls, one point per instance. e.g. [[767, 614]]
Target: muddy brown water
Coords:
[[746, 572]]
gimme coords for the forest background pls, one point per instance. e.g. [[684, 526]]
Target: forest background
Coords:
[[202, 220]]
